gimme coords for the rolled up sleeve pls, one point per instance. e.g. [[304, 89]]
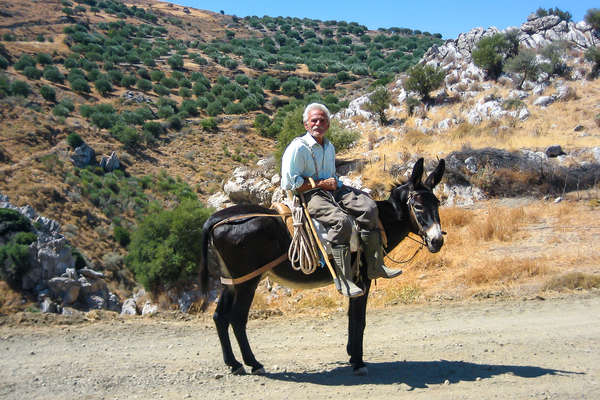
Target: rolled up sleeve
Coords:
[[292, 168]]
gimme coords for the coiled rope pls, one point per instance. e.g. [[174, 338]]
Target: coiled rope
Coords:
[[302, 252]]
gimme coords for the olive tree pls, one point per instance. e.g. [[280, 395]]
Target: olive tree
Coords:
[[423, 79], [379, 101]]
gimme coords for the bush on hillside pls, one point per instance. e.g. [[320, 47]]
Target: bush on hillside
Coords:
[[489, 54], [32, 73], [593, 55], [592, 17], [24, 61], [525, 64], [165, 247], [80, 85], [20, 88], [103, 86], [209, 125], [74, 140], [378, 102], [48, 93], [423, 79]]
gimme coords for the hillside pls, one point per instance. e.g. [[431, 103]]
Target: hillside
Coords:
[[113, 111], [174, 92]]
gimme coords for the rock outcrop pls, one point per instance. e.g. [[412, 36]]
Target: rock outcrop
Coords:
[[52, 275]]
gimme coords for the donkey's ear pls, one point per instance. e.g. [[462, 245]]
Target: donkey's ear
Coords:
[[436, 176], [417, 173]]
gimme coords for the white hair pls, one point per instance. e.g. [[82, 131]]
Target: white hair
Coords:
[[312, 106]]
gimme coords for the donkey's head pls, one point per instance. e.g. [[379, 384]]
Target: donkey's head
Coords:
[[416, 200]]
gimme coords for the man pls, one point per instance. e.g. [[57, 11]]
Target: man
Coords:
[[332, 203]]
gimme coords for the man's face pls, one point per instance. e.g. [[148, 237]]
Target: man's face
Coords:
[[317, 124]]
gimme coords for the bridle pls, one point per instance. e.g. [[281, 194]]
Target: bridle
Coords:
[[421, 232]]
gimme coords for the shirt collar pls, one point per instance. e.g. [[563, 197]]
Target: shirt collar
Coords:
[[311, 140]]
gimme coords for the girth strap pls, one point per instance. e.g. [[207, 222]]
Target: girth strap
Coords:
[[255, 273]]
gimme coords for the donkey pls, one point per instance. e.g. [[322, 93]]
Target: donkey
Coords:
[[247, 244]]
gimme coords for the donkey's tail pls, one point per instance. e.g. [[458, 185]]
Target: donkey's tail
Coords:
[[206, 233]]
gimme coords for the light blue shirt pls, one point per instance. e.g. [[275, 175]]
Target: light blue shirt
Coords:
[[304, 158]]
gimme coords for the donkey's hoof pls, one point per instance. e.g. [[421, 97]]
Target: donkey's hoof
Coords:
[[362, 371], [258, 371], [238, 371]]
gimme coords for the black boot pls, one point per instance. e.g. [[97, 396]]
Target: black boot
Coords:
[[343, 282], [374, 255]]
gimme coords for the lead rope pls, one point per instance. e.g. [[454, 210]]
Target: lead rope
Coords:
[[302, 252]]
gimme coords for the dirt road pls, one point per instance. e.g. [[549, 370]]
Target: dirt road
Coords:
[[518, 349]]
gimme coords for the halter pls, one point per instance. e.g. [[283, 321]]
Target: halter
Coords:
[[411, 207]]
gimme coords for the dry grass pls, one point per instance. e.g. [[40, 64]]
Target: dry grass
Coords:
[[573, 281], [508, 270], [500, 224]]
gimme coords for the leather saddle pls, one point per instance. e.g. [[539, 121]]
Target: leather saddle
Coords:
[[286, 215]]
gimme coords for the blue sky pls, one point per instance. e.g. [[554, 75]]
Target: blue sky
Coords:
[[435, 16]]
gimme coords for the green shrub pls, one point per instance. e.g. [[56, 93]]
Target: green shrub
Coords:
[[328, 82], [161, 90], [125, 134], [214, 108], [525, 63], [489, 54], [378, 102], [48, 93], [592, 54], [592, 17], [14, 263], [103, 86], [32, 73], [423, 79], [24, 61], [209, 125], [234, 108], [144, 85], [60, 111], [164, 248], [80, 85], [121, 236], [185, 92], [3, 63], [20, 88], [165, 111], [175, 61], [74, 140], [175, 123], [53, 74], [156, 75], [189, 107], [261, 123], [13, 221], [128, 81], [25, 238], [169, 82], [67, 102], [43, 59], [154, 128]]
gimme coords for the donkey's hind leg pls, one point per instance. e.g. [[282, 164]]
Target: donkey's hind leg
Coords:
[[222, 317], [239, 318]]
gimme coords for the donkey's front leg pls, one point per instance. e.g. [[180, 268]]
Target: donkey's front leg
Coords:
[[357, 311]]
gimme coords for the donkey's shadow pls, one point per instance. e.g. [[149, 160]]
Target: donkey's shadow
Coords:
[[416, 374]]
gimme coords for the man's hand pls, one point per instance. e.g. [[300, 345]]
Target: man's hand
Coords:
[[327, 184]]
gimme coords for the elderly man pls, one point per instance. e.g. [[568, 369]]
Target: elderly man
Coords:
[[332, 203]]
